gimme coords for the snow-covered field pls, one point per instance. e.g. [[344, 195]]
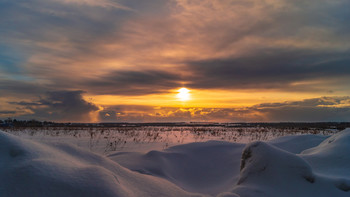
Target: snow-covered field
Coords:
[[156, 163]]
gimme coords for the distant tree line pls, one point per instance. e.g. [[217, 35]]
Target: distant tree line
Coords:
[[9, 122]]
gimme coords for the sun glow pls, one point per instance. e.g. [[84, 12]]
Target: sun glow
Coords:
[[184, 94]]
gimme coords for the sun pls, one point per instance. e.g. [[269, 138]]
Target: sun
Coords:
[[184, 94]]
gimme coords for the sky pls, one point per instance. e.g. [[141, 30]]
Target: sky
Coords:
[[127, 60]]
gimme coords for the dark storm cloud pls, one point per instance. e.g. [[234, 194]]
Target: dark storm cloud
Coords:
[[134, 82], [59, 106], [271, 69]]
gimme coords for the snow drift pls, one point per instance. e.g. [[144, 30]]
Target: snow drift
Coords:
[[320, 171], [32, 169], [306, 165], [208, 168]]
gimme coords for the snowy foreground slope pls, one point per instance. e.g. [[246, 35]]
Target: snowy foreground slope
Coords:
[[32, 169], [307, 165]]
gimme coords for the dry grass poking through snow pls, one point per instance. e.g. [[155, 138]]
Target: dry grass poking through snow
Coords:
[[106, 139]]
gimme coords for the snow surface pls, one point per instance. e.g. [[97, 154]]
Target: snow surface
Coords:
[[303, 166], [29, 168]]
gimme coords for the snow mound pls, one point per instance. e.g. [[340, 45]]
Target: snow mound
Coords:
[[269, 171], [264, 166], [209, 168], [331, 157], [32, 169]]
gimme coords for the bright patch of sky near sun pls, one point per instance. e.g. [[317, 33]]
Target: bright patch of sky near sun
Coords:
[[184, 94], [198, 98]]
